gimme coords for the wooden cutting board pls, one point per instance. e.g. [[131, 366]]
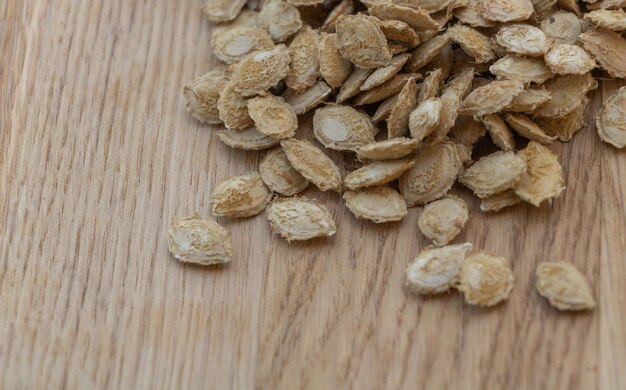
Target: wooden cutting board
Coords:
[[98, 158]]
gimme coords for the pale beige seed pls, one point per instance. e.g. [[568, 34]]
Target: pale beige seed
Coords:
[[529, 100], [460, 85], [427, 51], [443, 61], [442, 220], [435, 171], [467, 131], [241, 196], [472, 15], [378, 204], [233, 109], [385, 73], [523, 39], [313, 164], [497, 202], [500, 133], [390, 149], [565, 287], [273, 116], [377, 173], [608, 48], [352, 86], [543, 179], [382, 92], [607, 4], [278, 174], [567, 92], [223, 10], [543, 7], [417, 19], [305, 101], [569, 59], [614, 20], [491, 98], [384, 109], [611, 119], [525, 69], [493, 173], [233, 45], [304, 65], [362, 42], [399, 32], [261, 71], [334, 68], [341, 127], [485, 279], [525, 127], [451, 98], [562, 27], [473, 42], [248, 139], [567, 126], [435, 270], [246, 18], [505, 11], [398, 120], [430, 6], [299, 219], [424, 119], [281, 19], [201, 96], [430, 86], [345, 7], [199, 241]]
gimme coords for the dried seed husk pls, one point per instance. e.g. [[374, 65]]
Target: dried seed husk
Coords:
[[485, 279], [388, 149], [201, 95], [435, 170], [352, 86], [362, 42], [565, 287], [505, 11], [611, 119], [240, 196], [377, 173], [281, 19], [223, 10], [569, 59], [233, 109], [385, 73], [460, 85], [334, 68], [341, 127], [543, 7], [543, 179], [278, 174], [199, 241], [491, 98], [529, 100], [525, 127], [525, 69], [614, 20], [273, 116], [565, 127], [248, 139], [497, 202], [399, 32], [467, 131], [472, 15], [443, 61], [523, 39], [430, 86], [473, 42], [424, 119], [345, 7], [384, 109], [247, 18], [567, 92], [304, 65], [608, 48], [417, 19], [435, 270], [562, 27], [299, 219], [378, 204], [382, 92], [398, 120], [607, 4], [493, 173], [234, 45], [500, 133], [261, 71], [442, 220], [307, 100], [427, 51], [397, 47], [313, 164], [430, 6]]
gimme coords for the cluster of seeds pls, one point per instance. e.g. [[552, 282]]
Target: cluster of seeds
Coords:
[[438, 76]]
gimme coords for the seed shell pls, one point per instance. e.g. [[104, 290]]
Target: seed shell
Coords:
[[241, 196], [299, 219], [313, 164], [435, 270], [199, 241], [378, 204], [565, 287], [279, 175]]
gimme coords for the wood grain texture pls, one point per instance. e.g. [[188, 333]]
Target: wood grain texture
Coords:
[[98, 158]]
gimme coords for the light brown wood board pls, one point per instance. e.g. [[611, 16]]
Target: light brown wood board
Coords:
[[98, 157]]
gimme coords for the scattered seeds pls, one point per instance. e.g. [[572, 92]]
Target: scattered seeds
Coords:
[[199, 241], [565, 127], [233, 109], [386, 90], [299, 219], [383, 74], [352, 86], [442, 220], [378, 204], [435, 270], [564, 286]]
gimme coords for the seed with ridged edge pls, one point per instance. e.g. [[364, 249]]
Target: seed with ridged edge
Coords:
[[313, 164], [435, 270], [200, 241], [298, 219], [564, 286], [378, 204], [240, 196], [485, 279]]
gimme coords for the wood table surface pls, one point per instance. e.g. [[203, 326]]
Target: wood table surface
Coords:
[[98, 158]]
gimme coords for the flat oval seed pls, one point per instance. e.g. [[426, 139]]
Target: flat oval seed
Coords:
[[313, 164], [493, 173], [249, 139], [241, 196], [378, 204], [564, 286], [387, 150], [234, 45], [569, 59], [201, 96], [261, 71], [377, 173], [299, 219], [491, 98], [304, 101], [543, 179], [273, 116], [442, 220], [342, 128], [278, 174], [200, 241], [281, 19], [485, 279], [611, 119], [435, 270], [424, 119], [523, 39]]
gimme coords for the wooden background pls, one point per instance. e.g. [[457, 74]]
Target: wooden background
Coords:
[[98, 158]]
